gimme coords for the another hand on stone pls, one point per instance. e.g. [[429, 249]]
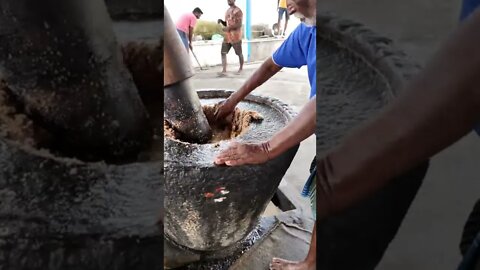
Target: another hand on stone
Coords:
[[244, 153]]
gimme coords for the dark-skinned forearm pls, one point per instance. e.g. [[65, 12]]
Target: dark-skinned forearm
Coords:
[[300, 128], [260, 76], [190, 35], [439, 106]]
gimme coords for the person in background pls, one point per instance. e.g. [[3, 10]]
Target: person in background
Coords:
[[233, 35], [282, 9], [185, 26]]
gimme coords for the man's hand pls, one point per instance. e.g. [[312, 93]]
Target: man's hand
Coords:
[[224, 109], [244, 153], [222, 22]]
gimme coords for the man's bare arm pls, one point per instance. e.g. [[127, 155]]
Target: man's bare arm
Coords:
[[439, 107], [190, 35]]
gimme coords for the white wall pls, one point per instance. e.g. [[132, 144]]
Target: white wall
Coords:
[[208, 53]]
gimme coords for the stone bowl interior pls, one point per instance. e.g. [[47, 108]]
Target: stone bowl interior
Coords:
[[275, 115]]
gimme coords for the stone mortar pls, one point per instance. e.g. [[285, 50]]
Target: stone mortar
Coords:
[[58, 213], [199, 223]]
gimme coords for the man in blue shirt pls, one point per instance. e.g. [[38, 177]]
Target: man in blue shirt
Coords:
[[298, 50]]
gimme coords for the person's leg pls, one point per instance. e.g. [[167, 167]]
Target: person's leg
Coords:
[[308, 264], [225, 49], [470, 242], [471, 228], [279, 20], [310, 261], [183, 37], [238, 51], [287, 17]]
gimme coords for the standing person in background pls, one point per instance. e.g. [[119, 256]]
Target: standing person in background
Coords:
[[233, 35], [185, 26], [282, 9]]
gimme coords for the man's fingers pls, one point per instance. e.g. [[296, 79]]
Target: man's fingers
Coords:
[[230, 156], [231, 151], [218, 114], [235, 162], [231, 161], [238, 160], [218, 161], [227, 155], [233, 156], [218, 110]]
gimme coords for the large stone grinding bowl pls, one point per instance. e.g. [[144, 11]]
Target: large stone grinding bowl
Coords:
[[58, 213], [359, 73], [196, 221]]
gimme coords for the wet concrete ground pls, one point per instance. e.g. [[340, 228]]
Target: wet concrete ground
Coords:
[[290, 86], [430, 234]]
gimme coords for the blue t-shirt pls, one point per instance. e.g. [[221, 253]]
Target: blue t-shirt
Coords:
[[468, 7], [298, 50]]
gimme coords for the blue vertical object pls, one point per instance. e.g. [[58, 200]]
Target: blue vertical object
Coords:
[[472, 256], [468, 7], [248, 29]]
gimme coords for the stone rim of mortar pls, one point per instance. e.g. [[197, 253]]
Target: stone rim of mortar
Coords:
[[274, 104]]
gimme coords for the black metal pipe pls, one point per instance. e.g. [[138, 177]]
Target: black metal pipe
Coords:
[[182, 106], [184, 111]]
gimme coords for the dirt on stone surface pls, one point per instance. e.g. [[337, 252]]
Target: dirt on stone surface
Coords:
[[225, 129], [15, 125]]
